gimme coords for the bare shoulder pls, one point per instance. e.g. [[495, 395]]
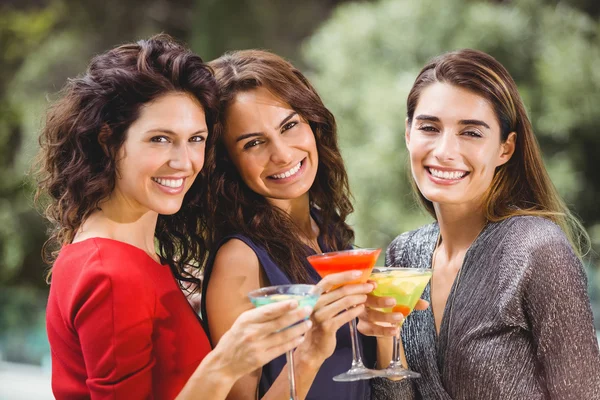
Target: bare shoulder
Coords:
[[235, 258], [235, 273]]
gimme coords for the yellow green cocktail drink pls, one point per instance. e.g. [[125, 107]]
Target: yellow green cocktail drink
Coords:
[[405, 285]]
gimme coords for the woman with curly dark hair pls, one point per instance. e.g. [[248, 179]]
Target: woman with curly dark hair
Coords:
[[278, 193], [122, 151]]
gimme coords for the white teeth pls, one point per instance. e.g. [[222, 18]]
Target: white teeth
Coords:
[[447, 174], [172, 183], [289, 173]]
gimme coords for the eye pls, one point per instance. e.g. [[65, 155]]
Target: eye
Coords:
[[472, 134], [197, 139], [428, 128], [159, 139], [252, 143], [289, 125]]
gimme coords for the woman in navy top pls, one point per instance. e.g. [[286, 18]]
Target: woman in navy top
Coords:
[[279, 192]]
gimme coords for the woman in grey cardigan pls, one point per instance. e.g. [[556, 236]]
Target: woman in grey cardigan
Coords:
[[510, 317]]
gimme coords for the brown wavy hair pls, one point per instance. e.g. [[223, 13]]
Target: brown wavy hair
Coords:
[[75, 173], [235, 208], [521, 186]]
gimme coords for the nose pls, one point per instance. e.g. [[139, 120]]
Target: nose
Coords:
[[180, 158], [446, 147], [281, 152]]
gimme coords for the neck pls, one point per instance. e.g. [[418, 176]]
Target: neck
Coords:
[[459, 226], [118, 221]]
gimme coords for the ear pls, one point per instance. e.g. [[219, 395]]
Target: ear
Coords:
[[406, 131], [508, 148], [103, 137]]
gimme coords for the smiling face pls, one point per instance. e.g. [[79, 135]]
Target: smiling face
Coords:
[[162, 154], [272, 147], [454, 145]]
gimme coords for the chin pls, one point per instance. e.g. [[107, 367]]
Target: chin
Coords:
[[167, 210], [445, 198]]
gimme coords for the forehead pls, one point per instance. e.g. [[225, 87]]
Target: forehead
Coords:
[[253, 108], [452, 103], [178, 111]]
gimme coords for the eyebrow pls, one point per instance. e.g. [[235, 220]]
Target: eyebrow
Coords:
[[170, 132], [461, 122], [254, 134]]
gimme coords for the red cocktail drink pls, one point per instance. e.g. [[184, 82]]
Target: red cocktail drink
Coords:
[[340, 261]]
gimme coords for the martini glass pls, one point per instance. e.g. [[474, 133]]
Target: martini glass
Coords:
[[406, 286], [305, 295], [348, 260]]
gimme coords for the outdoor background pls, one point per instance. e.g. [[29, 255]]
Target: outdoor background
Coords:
[[362, 56]]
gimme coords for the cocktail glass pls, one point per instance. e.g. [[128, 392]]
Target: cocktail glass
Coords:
[[406, 286], [305, 295], [347, 260]]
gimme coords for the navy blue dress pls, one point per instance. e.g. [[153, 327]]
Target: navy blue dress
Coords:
[[323, 386]]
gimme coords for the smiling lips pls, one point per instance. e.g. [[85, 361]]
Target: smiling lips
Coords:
[[291, 172], [447, 175]]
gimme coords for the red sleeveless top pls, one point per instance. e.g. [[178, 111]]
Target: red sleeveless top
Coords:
[[119, 326]]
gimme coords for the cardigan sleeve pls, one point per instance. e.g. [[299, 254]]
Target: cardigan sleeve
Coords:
[[558, 308], [112, 315], [393, 252]]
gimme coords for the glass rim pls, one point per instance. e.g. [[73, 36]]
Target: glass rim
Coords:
[[383, 270], [271, 290], [334, 253]]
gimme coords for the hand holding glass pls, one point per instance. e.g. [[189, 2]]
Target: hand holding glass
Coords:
[[340, 261], [405, 285], [306, 295]]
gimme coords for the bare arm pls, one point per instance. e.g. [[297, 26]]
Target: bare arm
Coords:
[[235, 273], [256, 337]]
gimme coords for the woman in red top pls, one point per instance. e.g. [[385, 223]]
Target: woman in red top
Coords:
[[121, 155]]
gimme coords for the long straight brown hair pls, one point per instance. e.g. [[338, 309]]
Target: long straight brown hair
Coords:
[[522, 186], [235, 208]]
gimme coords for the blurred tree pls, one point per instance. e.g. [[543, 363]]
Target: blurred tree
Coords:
[[223, 25], [364, 61], [366, 57], [45, 42]]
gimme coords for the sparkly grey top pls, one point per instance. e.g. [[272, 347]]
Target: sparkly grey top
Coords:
[[517, 324]]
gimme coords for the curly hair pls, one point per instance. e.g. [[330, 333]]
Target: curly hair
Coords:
[[76, 172], [235, 208]]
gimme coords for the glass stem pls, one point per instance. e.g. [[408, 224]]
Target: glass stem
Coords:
[[356, 356], [291, 374], [396, 361]]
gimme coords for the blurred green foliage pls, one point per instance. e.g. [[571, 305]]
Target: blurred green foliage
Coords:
[[44, 42], [363, 60]]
